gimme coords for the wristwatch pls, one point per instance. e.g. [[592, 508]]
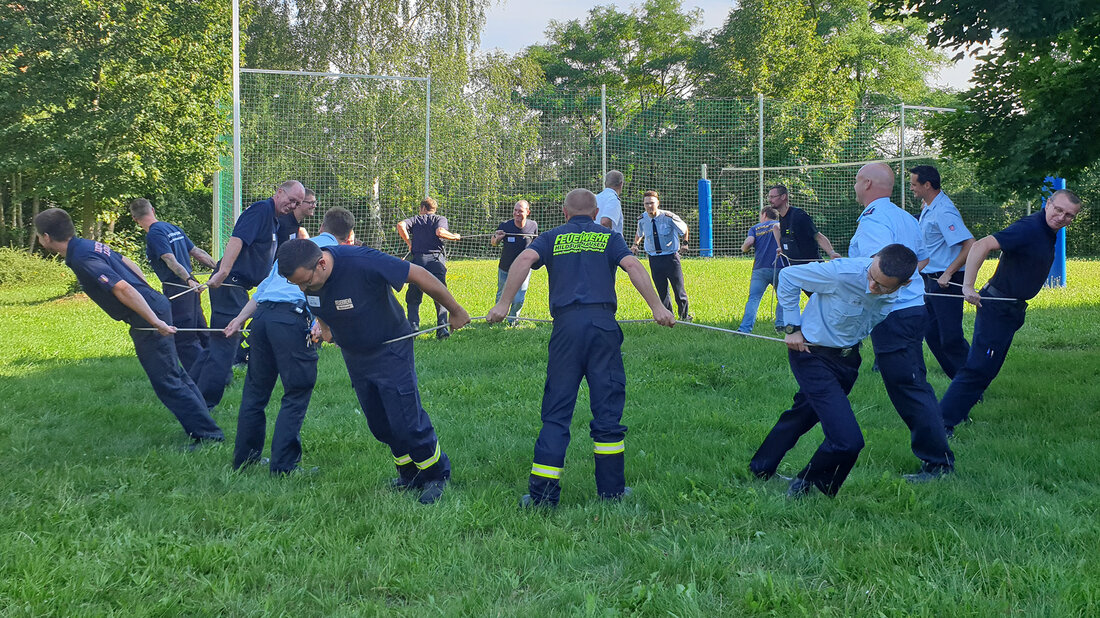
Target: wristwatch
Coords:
[[791, 329]]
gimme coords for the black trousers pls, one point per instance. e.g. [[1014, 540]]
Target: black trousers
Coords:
[[280, 348], [995, 325], [586, 343], [213, 370], [665, 270], [436, 264], [899, 351], [945, 331], [825, 377], [174, 388], [385, 383], [187, 313]]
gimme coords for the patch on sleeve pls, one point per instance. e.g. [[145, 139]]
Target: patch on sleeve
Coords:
[[104, 279], [343, 304], [951, 227]]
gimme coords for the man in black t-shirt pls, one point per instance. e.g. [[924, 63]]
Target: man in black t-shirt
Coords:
[[799, 235], [424, 234], [516, 234]]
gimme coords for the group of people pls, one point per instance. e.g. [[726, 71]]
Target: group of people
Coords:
[[325, 288]]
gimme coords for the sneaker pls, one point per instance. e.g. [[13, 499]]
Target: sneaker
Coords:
[[432, 491], [688, 318], [799, 488], [442, 334]]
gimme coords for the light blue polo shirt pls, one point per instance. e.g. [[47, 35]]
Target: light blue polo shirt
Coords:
[[842, 310], [276, 289], [883, 223], [943, 230]]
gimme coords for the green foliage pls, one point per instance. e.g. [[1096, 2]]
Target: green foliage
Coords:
[[19, 267]]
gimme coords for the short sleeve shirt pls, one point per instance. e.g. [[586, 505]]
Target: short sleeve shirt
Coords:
[[257, 229], [286, 229], [99, 269], [514, 245], [764, 245], [609, 205], [165, 238], [797, 232], [357, 301], [580, 257], [1027, 252], [942, 230], [422, 232], [883, 223]]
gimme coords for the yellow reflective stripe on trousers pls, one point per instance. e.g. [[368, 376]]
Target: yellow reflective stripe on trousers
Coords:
[[549, 472], [429, 462], [610, 448], [402, 460]]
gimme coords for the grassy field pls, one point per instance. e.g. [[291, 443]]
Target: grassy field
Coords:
[[101, 512]]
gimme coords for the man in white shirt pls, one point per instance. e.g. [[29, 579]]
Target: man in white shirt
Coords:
[[610, 213]]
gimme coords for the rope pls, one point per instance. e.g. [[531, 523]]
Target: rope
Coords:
[[1015, 300], [193, 330], [426, 330]]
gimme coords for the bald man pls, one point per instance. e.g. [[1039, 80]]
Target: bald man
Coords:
[[898, 339]]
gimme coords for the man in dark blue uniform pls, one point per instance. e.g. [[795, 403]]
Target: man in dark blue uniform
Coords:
[[581, 258], [290, 224], [350, 291], [849, 297], [245, 262], [1027, 252], [282, 349], [516, 234], [118, 287], [424, 234], [169, 252]]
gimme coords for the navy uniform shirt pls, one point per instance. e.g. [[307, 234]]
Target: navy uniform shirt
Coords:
[[286, 228], [764, 246], [580, 257], [514, 245], [1027, 252], [257, 229], [99, 269], [422, 232], [797, 232], [166, 238], [357, 300]]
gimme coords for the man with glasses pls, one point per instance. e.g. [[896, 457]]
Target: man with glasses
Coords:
[[350, 290], [245, 262], [290, 224], [849, 296], [899, 339], [1027, 252]]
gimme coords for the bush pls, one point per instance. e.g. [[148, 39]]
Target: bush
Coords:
[[18, 266]]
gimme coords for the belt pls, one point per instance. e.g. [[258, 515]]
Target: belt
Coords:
[[995, 292], [580, 306], [830, 351], [272, 305], [933, 275], [433, 252]]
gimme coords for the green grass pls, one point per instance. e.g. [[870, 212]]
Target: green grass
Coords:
[[100, 512]]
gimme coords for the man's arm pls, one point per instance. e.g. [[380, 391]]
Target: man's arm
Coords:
[[202, 257], [178, 269], [608, 223], [236, 325], [447, 234], [431, 286], [403, 232], [639, 278], [497, 237], [825, 245], [127, 295], [748, 244], [517, 273], [960, 259], [974, 260], [229, 257]]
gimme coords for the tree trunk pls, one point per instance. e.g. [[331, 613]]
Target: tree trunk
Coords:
[[17, 209], [35, 203], [88, 213]]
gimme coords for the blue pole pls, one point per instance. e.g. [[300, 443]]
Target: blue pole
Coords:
[[706, 238], [1057, 276]]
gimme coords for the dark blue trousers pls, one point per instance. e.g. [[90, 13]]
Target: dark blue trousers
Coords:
[[174, 388], [994, 327], [945, 332], [666, 270], [899, 350], [385, 383], [436, 264], [281, 348], [824, 380], [187, 313], [213, 370], [586, 343]]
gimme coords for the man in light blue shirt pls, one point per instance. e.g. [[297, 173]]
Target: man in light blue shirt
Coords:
[[661, 231], [948, 242], [610, 208], [281, 347], [898, 340], [849, 297]]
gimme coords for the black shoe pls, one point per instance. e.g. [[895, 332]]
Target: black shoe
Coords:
[[527, 502], [442, 334], [950, 431], [799, 488], [248, 463], [688, 318], [297, 471], [198, 444], [401, 484], [432, 491], [926, 476], [627, 492], [415, 326]]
